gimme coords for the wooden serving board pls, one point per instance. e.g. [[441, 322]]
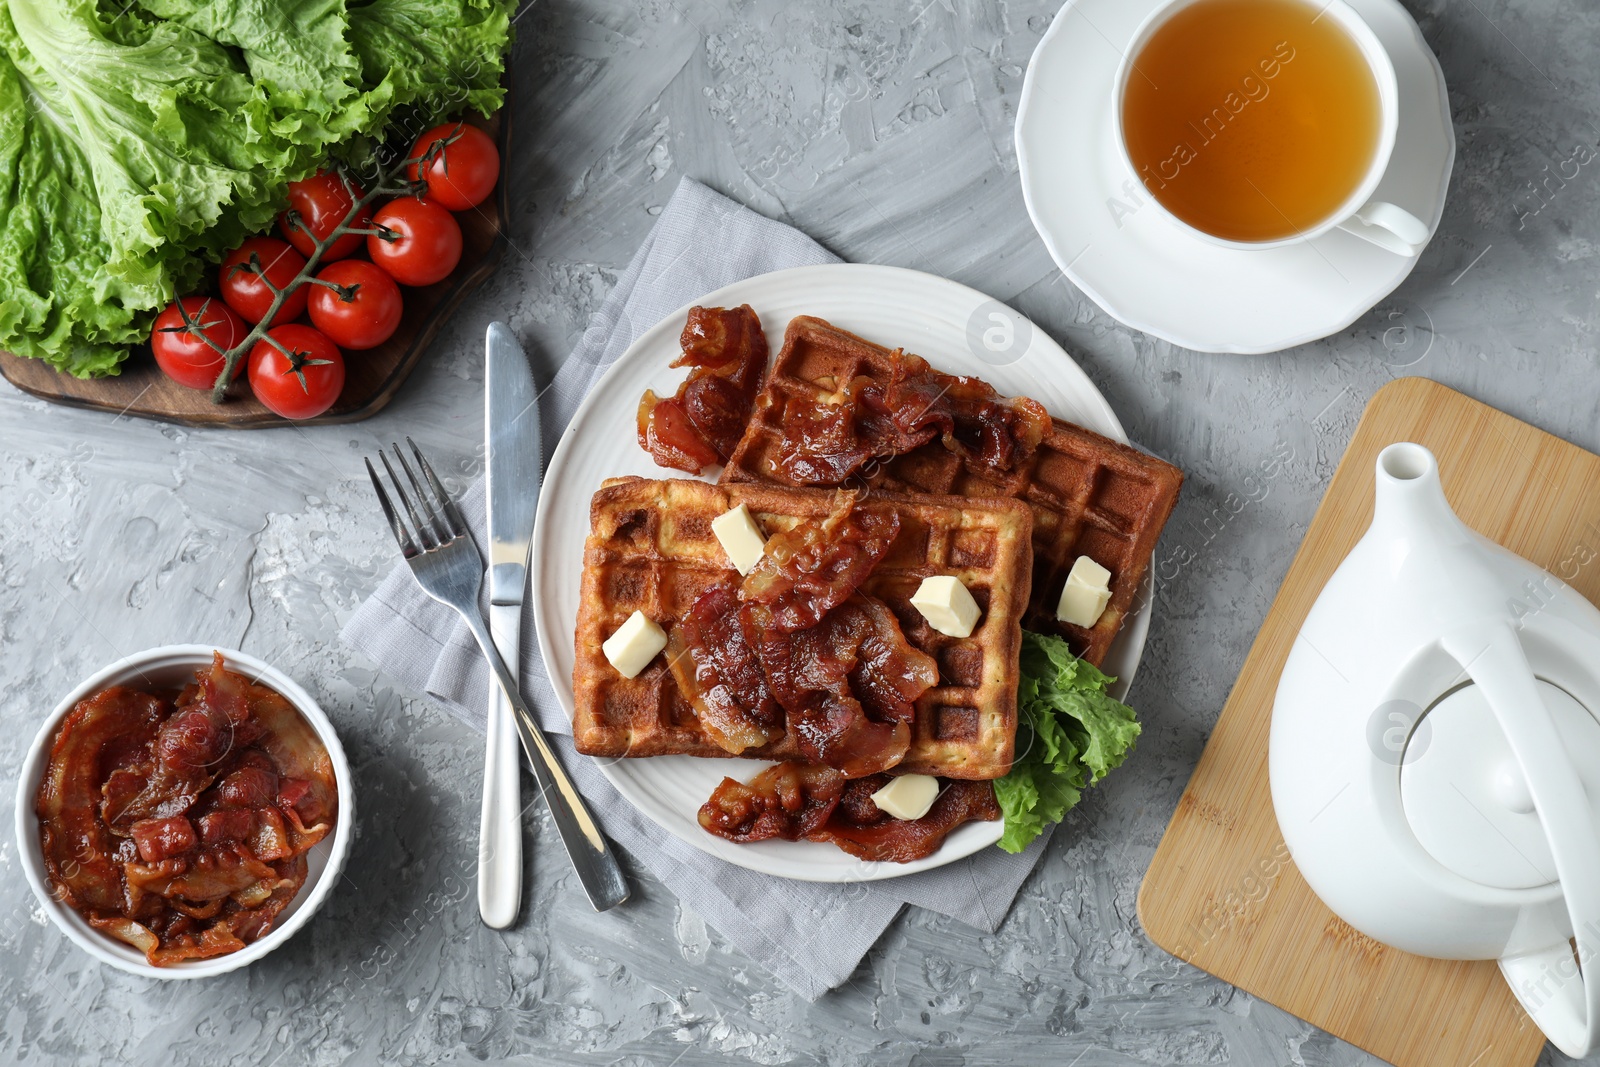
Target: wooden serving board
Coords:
[[1222, 892], [371, 377]]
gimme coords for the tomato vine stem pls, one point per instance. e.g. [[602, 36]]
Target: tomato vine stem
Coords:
[[382, 187]]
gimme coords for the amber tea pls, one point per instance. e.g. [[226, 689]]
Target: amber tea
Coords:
[[1252, 120]]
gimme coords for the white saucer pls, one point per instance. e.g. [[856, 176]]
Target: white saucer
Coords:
[[1146, 271], [935, 318]]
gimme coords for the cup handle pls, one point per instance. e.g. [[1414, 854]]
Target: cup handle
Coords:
[[1391, 228]]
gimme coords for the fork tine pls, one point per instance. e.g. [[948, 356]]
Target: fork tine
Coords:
[[447, 503], [424, 535], [401, 534], [440, 527]]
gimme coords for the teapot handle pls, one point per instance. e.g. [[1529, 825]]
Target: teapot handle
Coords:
[[1562, 997]]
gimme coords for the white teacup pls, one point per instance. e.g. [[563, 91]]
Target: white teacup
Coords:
[[1384, 224]]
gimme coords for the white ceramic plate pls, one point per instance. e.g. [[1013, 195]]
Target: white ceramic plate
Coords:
[[925, 314], [1146, 271]]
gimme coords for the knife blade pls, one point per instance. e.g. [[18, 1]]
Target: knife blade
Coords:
[[515, 461]]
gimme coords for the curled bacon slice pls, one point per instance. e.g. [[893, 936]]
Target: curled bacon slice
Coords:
[[189, 748], [219, 873], [826, 441], [79, 854], [849, 686], [217, 939], [257, 920], [989, 431], [126, 930], [857, 826], [671, 439], [701, 424], [787, 801], [718, 672], [272, 839], [798, 800], [814, 567], [308, 798]]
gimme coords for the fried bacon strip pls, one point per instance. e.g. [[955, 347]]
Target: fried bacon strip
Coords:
[[794, 800], [701, 424], [110, 729], [180, 827], [718, 673], [787, 801], [811, 569], [189, 748], [861, 829], [818, 639], [836, 659], [307, 797], [826, 441], [796, 647], [849, 686]]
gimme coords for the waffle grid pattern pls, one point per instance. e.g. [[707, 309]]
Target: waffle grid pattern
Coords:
[[1089, 495], [651, 549]]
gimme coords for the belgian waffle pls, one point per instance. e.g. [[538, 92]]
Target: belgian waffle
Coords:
[[651, 549], [1090, 495]]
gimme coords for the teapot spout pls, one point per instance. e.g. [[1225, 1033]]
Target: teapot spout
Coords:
[[1410, 503]]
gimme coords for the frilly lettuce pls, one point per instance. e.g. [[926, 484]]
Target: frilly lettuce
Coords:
[[137, 145], [1070, 732]]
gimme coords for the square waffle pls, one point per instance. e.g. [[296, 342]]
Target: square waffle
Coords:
[[1091, 496], [651, 549]]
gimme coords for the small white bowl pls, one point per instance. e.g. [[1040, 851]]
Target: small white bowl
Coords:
[[172, 667]]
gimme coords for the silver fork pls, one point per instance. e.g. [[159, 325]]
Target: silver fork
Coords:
[[449, 568]]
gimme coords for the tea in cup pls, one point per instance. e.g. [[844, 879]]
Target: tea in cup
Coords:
[[1259, 123]]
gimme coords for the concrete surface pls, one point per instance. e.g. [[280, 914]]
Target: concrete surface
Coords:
[[883, 129]]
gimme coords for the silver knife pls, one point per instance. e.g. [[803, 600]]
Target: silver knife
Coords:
[[515, 459]]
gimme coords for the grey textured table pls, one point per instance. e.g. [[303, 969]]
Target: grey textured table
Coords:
[[883, 129]]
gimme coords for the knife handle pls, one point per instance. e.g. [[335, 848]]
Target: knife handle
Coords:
[[591, 854], [500, 828]]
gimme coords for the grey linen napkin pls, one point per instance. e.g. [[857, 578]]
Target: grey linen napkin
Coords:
[[811, 936]]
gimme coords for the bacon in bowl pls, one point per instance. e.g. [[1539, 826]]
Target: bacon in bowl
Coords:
[[179, 822]]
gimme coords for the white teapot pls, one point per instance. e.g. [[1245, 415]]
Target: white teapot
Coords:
[[1435, 753]]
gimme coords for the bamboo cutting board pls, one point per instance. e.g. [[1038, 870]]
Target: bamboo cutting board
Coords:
[[1222, 892]]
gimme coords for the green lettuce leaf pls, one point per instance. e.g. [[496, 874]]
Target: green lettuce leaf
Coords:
[[297, 52], [1070, 733], [101, 113], [142, 142], [407, 61]]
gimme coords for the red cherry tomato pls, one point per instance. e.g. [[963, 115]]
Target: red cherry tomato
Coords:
[[181, 352], [364, 309], [316, 207], [296, 371], [418, 241], [240, 279], [459, 162]]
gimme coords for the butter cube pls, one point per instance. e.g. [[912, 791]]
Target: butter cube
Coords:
[[1086, 594], [947, 604], [741, 538], [634, 645], [907, 797]]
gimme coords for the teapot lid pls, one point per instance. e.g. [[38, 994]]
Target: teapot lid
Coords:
[[1465, 796]]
